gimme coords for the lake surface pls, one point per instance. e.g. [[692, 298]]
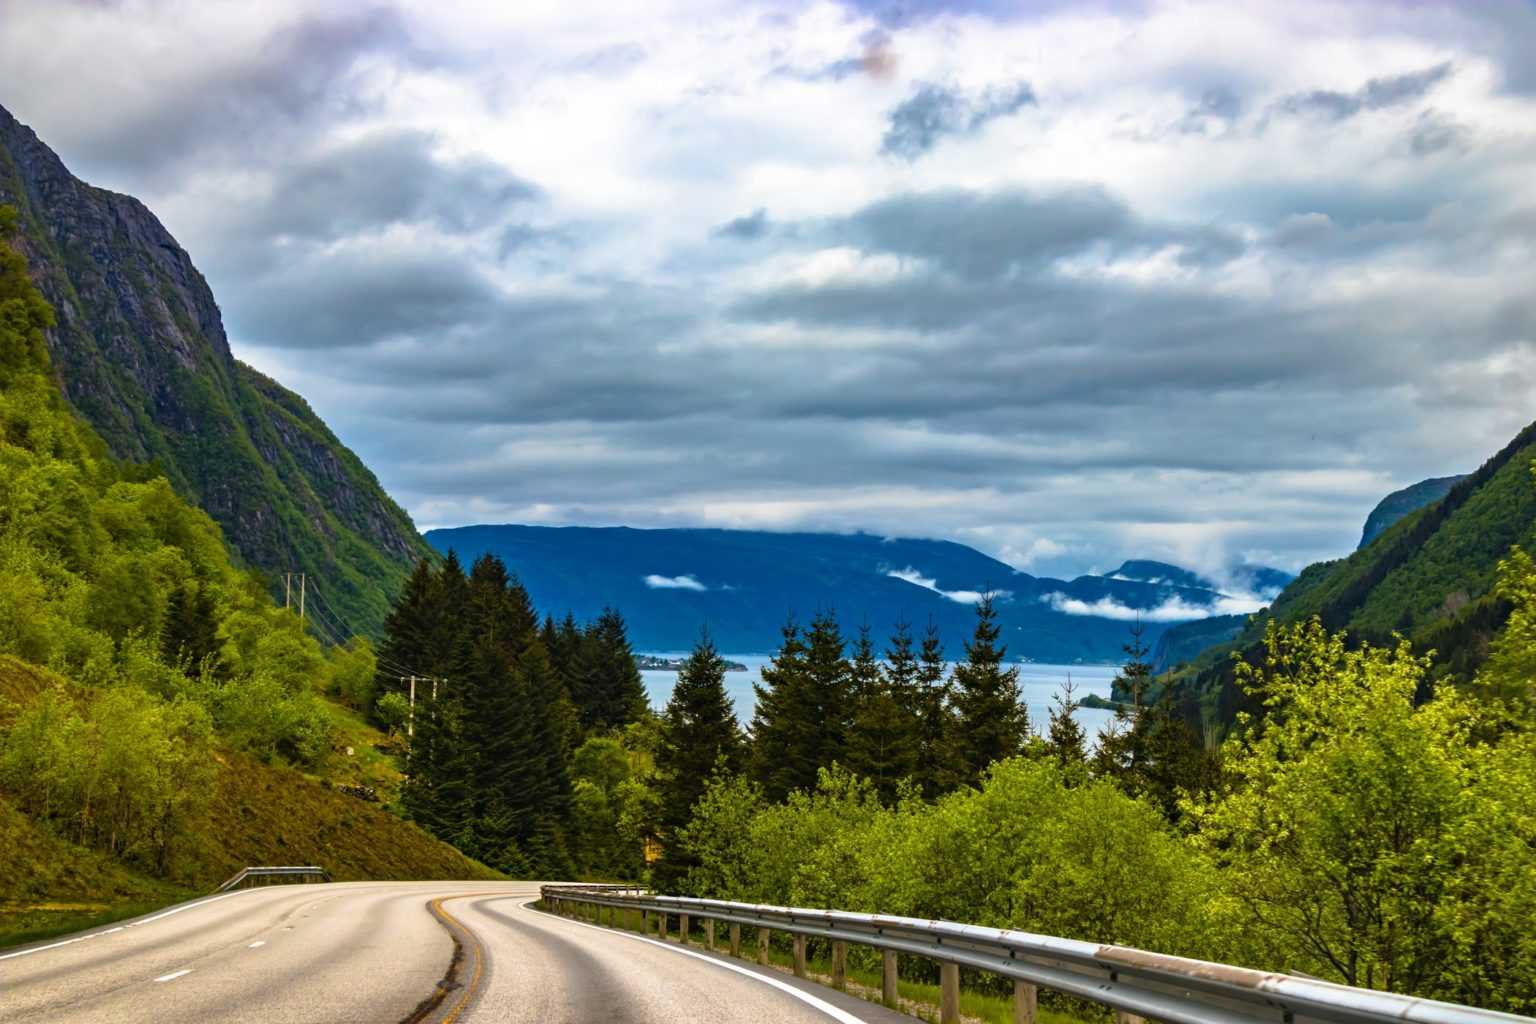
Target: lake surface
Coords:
[[1039, 683]]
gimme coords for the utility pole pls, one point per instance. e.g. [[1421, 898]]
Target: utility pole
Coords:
[[287, 588], [410, 729], [302, 580]]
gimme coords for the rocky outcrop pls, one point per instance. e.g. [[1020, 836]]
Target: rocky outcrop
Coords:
[[140, 351]]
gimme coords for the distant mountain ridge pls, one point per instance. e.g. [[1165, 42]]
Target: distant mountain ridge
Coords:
[[140, 351], [1400, 503], [743, 585], [1427, 576]]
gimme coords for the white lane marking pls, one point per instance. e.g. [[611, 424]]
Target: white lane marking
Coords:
[[135, 924], [174, 975], [837, 1013], [257, 944]]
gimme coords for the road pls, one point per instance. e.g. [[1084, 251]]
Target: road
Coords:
[[378, 953]]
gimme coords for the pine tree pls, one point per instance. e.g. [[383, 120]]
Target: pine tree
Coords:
[[699, 737], [782, 719], [1066, 743], [607, 687], [882, 745], [937, 766], [189, 634], [411, 641], [991, 722]]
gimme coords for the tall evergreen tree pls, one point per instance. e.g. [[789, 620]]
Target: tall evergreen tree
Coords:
[[411, 632], [607, 687], [991, 722], [189, 634], [1066, 743], [882, 745], [699, 737], [782, 719], [937, 766]]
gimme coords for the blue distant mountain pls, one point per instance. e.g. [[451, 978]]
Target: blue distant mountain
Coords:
[[744, 584]]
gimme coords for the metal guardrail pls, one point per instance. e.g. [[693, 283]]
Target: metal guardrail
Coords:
[[1133, 982], [274, 872]]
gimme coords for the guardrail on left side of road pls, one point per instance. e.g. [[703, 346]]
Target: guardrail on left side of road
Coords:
[[246, 874]]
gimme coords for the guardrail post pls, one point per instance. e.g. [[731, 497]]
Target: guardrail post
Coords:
[[645, 922], [1122, 1017], [799, 956], [735, 940], [661, 926], [682, 928], [949, 994], [1024, 1002], [762, 945], [888, 993], [709, 933], [840, 965]]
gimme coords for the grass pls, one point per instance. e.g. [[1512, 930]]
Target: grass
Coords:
[[919, 999], [47, 920]]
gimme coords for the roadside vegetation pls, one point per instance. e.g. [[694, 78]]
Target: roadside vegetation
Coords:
[[145, 680]]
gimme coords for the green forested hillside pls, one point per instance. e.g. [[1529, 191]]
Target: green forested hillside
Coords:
[[1429, 577], [138, 348], [156, 708]]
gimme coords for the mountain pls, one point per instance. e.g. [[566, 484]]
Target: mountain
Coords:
[[1399, 503], [140, 351], [1185, 641], [1242, 578], [1428, 576], [743, 584]]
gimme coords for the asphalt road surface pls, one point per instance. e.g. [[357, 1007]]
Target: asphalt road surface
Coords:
[[380, 953]]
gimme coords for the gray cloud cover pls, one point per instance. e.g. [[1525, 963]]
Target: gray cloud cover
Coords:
[[633, 274]]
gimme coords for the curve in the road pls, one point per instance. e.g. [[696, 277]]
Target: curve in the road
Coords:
[[384, 953]]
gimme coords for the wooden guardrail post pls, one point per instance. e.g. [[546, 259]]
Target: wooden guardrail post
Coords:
[[799, 956], [645, 922], [1122, 1017], [735, 940], [709, 933], [949, 994], [1025, 1004], [682, 928], [661, 926], [840, 965], [762, 945], [888, 992]]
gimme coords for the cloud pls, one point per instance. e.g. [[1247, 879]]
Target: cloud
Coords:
[[674, 583], [1174, 609], [918, 123], [916, 578], [748, 228], [1376, 94], [533, 264]]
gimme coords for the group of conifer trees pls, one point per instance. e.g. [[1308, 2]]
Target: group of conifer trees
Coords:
[[501, 700]]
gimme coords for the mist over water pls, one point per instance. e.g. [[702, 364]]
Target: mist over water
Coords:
[[1039, 683]]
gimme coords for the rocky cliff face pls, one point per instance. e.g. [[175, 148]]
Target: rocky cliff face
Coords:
[[141, 352]]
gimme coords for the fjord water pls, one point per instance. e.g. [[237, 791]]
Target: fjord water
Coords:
[[1039, 683]]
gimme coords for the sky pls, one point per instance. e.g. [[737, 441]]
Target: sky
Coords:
[[1068, 282]]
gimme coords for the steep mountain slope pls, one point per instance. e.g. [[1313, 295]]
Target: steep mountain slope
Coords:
[[1399, 503], [743, 584], [1185, 641], [1429, 577], [139, 349]]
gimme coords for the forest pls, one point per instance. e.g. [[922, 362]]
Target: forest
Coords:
[[1367, 826]]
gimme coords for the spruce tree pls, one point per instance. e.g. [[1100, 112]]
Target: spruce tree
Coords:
[[699, 737], [1066, 743], [607, 687], [882, 745], [991, 722], [411, 642], [782, 719], [937, 764], [189, 634]]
